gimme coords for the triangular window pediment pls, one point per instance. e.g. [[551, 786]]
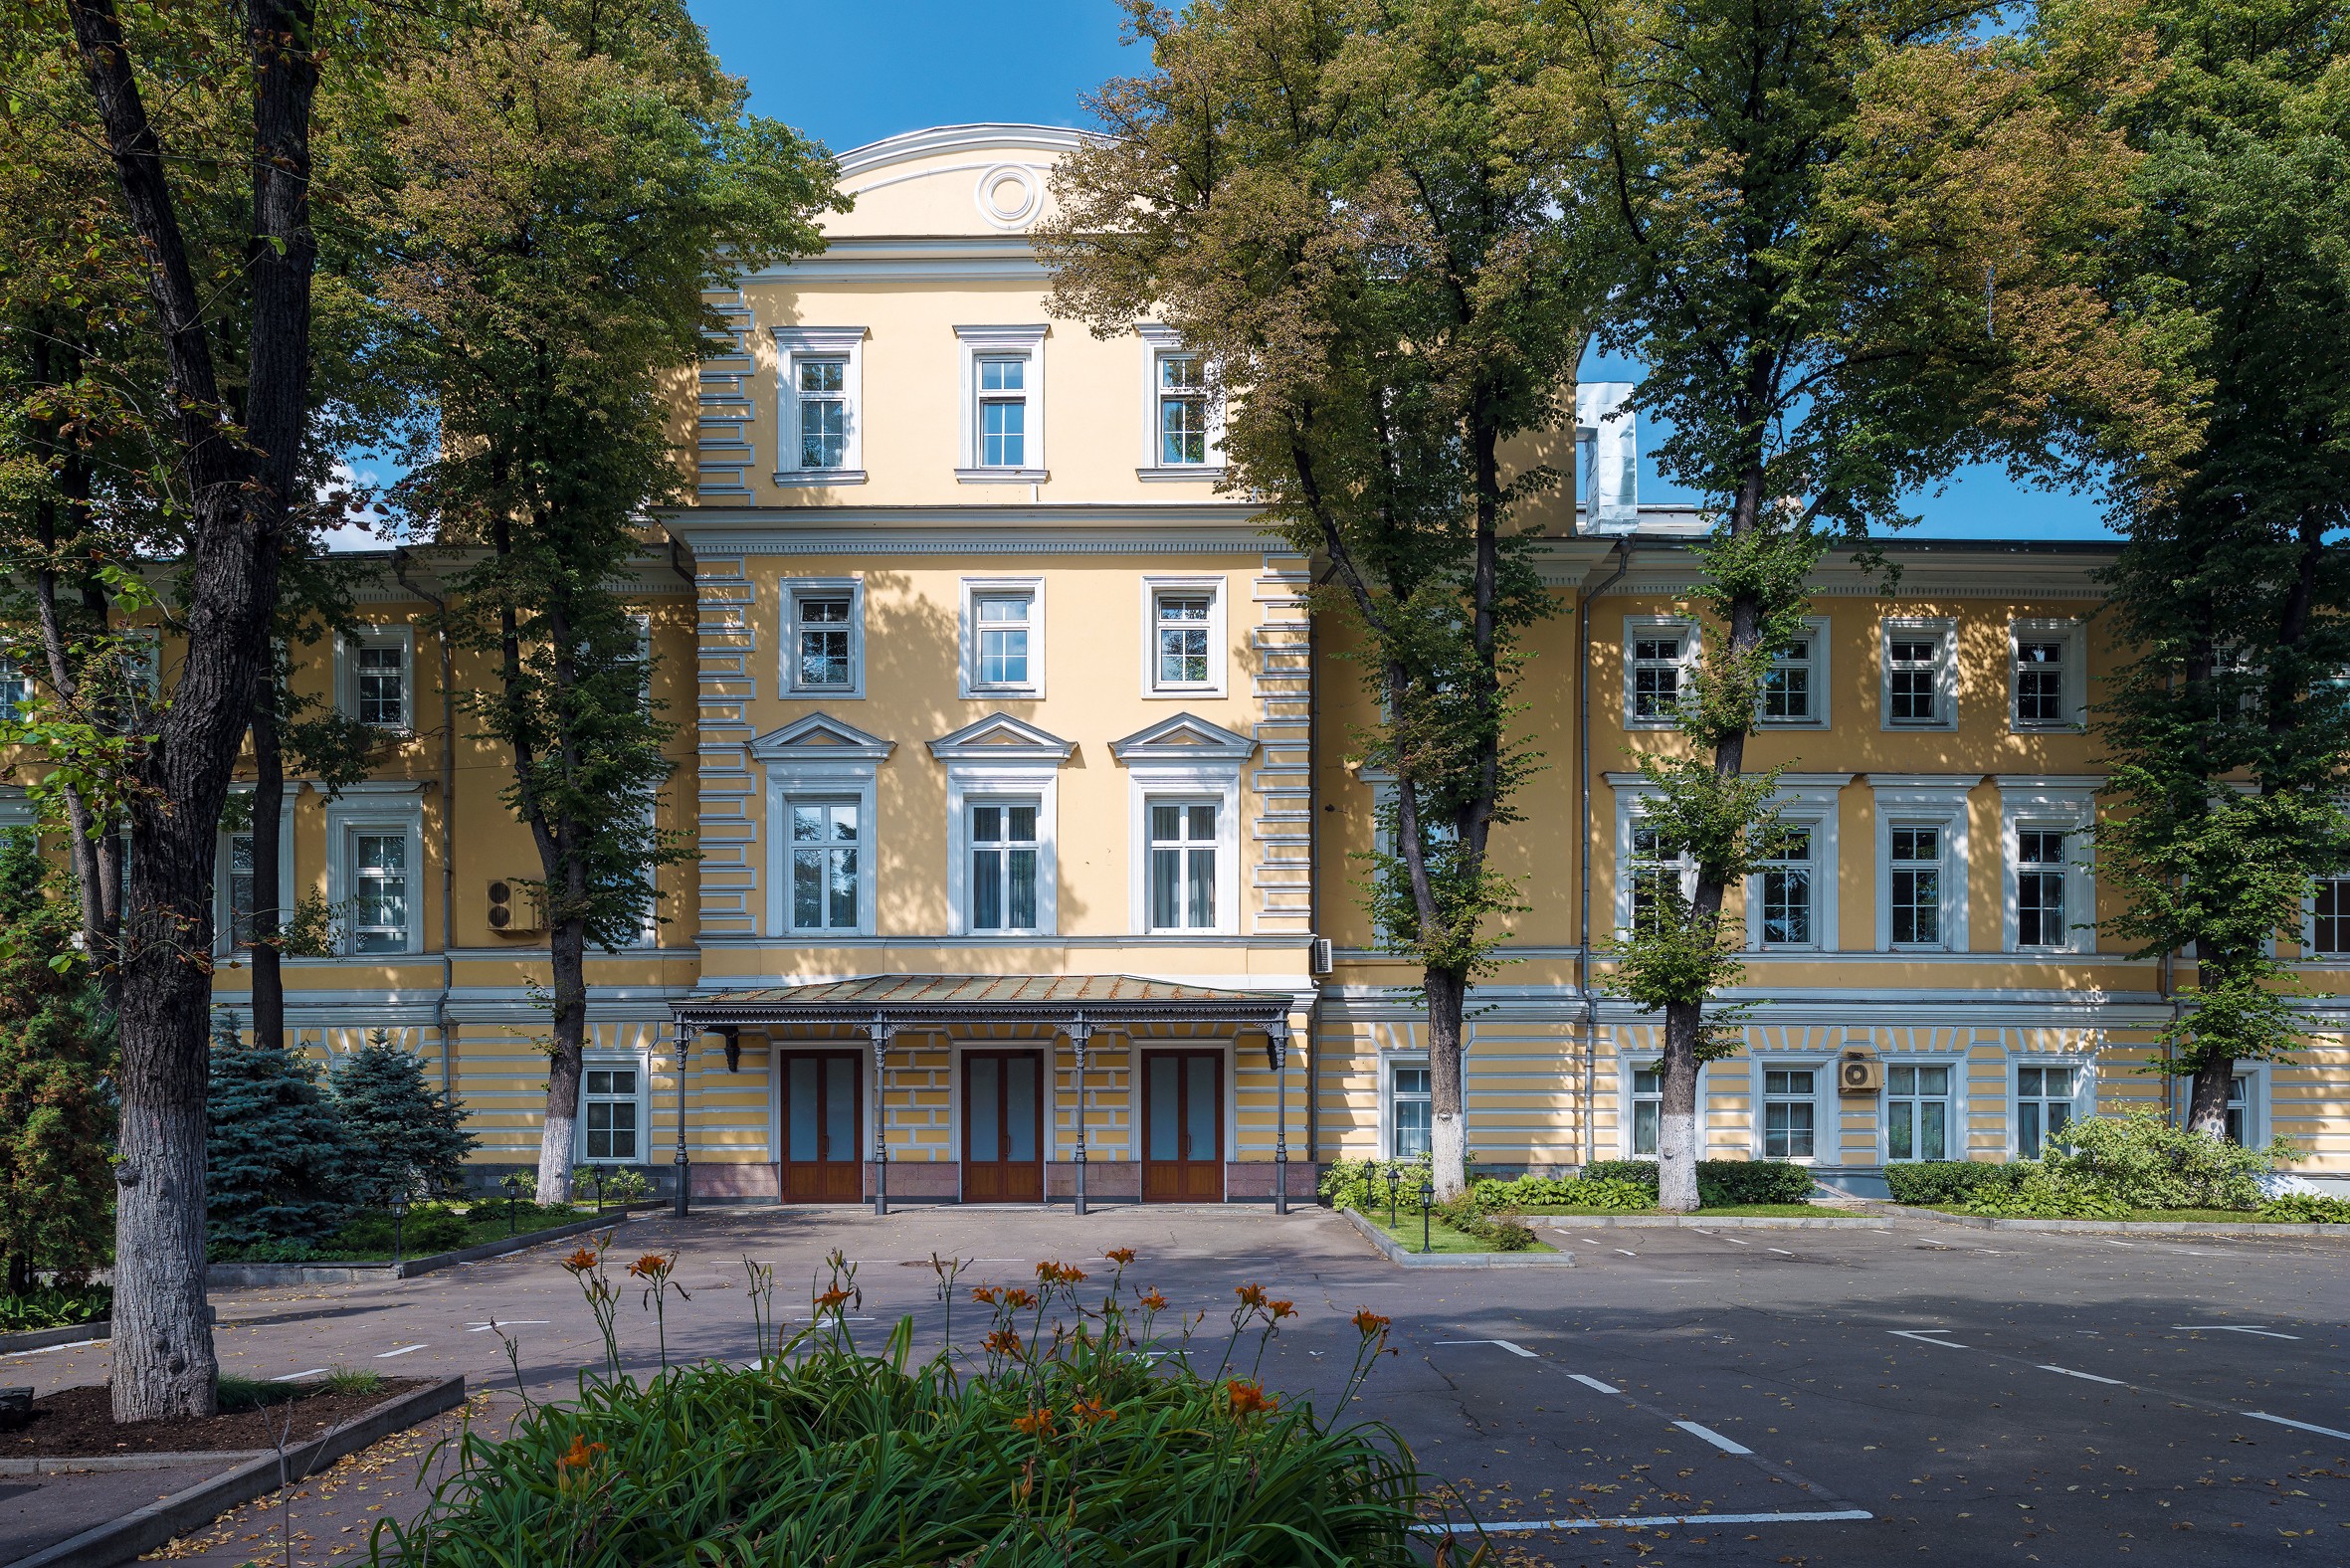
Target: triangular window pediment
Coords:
[[823, 735], [1185, 736]]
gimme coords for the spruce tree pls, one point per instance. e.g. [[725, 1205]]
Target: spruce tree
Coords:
[[276, 1165], [404, 1138]]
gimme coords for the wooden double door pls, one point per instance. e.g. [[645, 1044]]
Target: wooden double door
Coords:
[[1183, 1126], [1002, 1126], [822, 1095]]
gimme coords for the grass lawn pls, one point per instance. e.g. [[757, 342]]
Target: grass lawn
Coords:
[[425, 1236], [1441, 1238], [2183, 1216], [1773, 1211]]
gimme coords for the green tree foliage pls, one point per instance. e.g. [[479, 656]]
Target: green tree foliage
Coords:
[[1855, 235], [56, 1110], [275, 1163], [561, 180], [2230, 729], [404, 1139], [1363, 218]]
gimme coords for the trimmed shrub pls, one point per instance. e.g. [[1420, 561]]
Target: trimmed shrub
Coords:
[[1719, 1182], [2042, 1194], [274, 1167], [405, 1137], [2143, 1160], [1362, 1184], [55, 1306], [1501, 1229], [2307, 1208], [1937, 1181], [1526, 1191], [428, 1228], [1614, 1194], [1642, 1171]]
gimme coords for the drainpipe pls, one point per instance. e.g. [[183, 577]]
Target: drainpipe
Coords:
[[1313, 895], [399, 562], [1583, 987]]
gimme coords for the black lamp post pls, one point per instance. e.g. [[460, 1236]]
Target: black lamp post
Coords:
[[1395, 1178], [513, 1195], [399, 1230], [1426, 1196], [596, 1177]]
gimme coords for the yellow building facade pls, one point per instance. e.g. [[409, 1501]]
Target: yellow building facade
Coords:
[[1028, 828]]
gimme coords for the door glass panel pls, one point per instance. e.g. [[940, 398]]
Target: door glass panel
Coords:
[[1932, 1140], [1164, 1143], [986, 1108], [1019, 1107], [1198, 1110], [1898, 1143], [800, 1108], [839, 1108]]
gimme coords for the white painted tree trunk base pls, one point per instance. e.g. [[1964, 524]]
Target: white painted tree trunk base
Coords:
[[1677, 1161], [1448, 1147], [554, 1158]]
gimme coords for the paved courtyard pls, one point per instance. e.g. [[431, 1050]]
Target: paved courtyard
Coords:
[[1914, 1392]]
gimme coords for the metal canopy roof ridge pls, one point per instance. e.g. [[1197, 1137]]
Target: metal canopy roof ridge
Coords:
[[953, 996]]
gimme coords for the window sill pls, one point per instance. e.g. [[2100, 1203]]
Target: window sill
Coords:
[[1795, 723], [1002, 476], [1178, 472], [810, 478], [839, 694], [1182, 693], [2048, 730], [984, 693], [1919, 725]]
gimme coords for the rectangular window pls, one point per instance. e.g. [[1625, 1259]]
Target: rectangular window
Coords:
[[823, 389], [241, 886], [382, 676], [2039, 682], [379, 883], [15, 691], [2044, 1108], [1003, 411], [1655, 678], [1913, 665], [1648, 1109], [1003, 638], [1917, 1114], [1182, 866], [1180, 625], [2239, 1104], [2330, 921], [1409, 1099], [1183, 410], [1789, 1106], [1003, 867], [1786, 888], [1656, 877], [1789, 686], [2039, 890], [1916, 890], [825, 631], [610, 1103], [824, 845]]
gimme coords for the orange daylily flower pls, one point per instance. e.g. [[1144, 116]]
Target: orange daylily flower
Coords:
[[831, 1301], [1249, 1399], [1281, 1309], [1368, 1323], [1018, 1300], [1153, 1299], [985, 1296], [1091, 1412], [1250, 1294], [650, 1267], [580, 1454], [1036, 1423], [580, 1262], [1002, 1342], [1121, 1255]]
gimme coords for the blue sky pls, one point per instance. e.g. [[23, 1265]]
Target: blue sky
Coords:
[[853, 74]]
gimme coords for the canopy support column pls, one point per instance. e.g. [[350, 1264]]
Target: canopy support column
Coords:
[[881, 1031], [1277, 1051]]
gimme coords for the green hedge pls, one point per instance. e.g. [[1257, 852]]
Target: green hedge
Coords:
[[1604, 1184], [1951, 1181], [2307, 1208], [1720, 1183]]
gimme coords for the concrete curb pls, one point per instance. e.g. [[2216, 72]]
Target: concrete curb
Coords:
[[220, 1277], [2212, 1227], [44, 1338], [1402, 1259], [1700, 1222], [71, 1465], [124, 1539]]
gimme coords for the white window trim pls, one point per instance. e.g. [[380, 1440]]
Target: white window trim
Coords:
[[1807, 801], [1827, 1124], [609, 1057], [2309, 952], [1954, 1099], [1219, 782], [967, 682], [1158, 341], [855, 778], [1918, 801], [1629, 1062], [1632, 791], [1946, 670], [2069, 806], [2084, 1091], [400, 635], [2255, 1101], [1816, 628], [974, 343], [2074, 670], [792, 344], [221, 912], [970, 783], [375, 806], [1388, 1063], [1680, 626], [1215, 684], [787, 675]]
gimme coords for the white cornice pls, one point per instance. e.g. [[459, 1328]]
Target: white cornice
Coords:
[[933, 141], [1159, 529]]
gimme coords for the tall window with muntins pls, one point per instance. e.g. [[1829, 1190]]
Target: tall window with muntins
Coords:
[[824, 845], [379, 882], [1002, 412], [2239, 1106], [1787, 684], [2330, 918], [241, 886], [1410, 1099], [384, 685], [1913, 689], [2039, 682], [1917, 1112], [611, 1105], [1917, 878], [1789, 1105], [1787, 891], [1647, 1109], [2044, 1108], [824, 413], [16, 692], [1654, 874], [1655, 678], [1005, 621], [2040, 889], [827, 656], [1181, 621], [1003, 866], [1182, 866], [1183, 410]]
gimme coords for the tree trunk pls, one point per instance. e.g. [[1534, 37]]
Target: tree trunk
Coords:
[[269, 805], [1676, 1112], [1448, 1135], [567, 945], [2207, 1101]]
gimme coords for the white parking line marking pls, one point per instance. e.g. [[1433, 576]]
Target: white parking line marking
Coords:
[[1592, 1382], [507, 1323], [295, 1377], [386, 1355], [2087, 1377], [1782, 1252], [1712, 1436], [1595, 1240], [51, 1350], [1525, 1526], [1732, 1240], [1513, 1349], [1627, 1252], [1925, 1336], [1880, 1233], [2298, 1426], [2111, 1242], [2234, 1329]]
